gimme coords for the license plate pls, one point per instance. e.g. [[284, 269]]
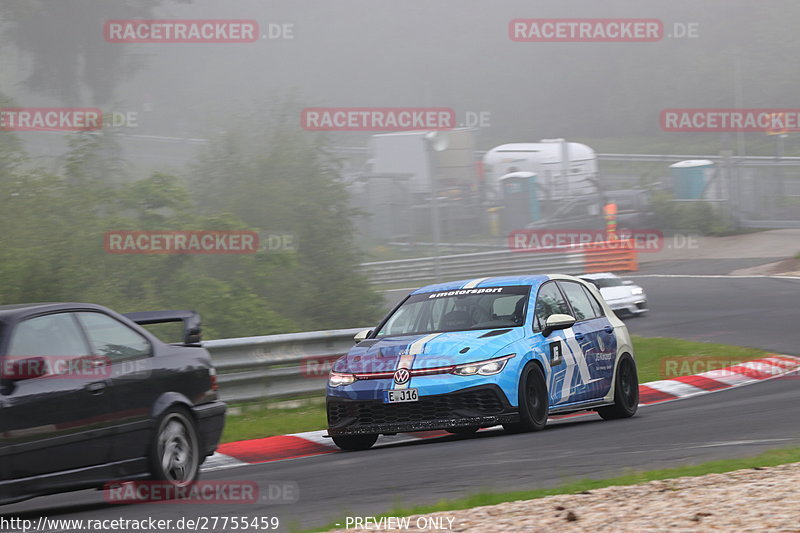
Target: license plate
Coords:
[[401, 395]]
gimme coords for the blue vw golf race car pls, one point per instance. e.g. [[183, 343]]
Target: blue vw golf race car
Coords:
[[469, 354]]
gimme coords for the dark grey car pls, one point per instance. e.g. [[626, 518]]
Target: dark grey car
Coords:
[[88, 396]]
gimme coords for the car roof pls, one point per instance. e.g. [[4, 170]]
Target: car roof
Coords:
[[13, 310], [497, 281]]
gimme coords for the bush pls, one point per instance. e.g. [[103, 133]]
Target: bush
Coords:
[[690, 217]]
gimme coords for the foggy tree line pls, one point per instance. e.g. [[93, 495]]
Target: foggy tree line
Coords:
[[270, 180]]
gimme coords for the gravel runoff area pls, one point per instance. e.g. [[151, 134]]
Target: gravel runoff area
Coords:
[[757, 499]]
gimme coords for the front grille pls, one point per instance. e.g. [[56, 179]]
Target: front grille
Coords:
[[482, 402]]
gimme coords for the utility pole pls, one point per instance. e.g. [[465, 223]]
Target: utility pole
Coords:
[[435, 142]]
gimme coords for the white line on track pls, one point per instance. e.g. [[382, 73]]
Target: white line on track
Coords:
[[710, 276], [736, 443]]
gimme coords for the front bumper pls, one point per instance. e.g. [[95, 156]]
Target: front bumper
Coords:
[[484, 405], [633, 306]]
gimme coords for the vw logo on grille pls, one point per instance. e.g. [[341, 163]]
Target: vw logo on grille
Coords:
[[402, 375]]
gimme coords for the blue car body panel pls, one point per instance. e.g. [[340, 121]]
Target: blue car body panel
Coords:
[[570, 381]]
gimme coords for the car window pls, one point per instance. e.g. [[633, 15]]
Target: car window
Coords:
[[113, 339], [598, 309], [602, 283], [505, 305], [441, 309], [549, 301], [402, 320], [581, 305], [50, 335]]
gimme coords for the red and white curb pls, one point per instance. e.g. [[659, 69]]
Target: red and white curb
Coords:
[[297, 445], [716, 380]]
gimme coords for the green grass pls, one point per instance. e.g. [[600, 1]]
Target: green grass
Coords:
[[766, 459], [660, 358], [272, 418], [266, 419]]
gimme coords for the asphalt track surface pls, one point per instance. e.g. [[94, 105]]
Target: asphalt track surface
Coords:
[[747, 311], [759, 312]]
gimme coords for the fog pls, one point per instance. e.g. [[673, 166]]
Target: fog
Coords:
[[448, 53]]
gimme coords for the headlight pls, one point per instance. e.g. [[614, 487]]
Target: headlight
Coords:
[[335, 379], [483, 368], [635, 291]]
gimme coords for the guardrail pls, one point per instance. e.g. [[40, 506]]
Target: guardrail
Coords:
[[454, 246], [504, 262], [770, 224], [275, 366], [598, 257]]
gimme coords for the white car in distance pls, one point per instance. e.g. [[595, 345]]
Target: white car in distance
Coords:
[[623, 296]]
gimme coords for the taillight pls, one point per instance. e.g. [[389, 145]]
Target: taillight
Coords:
[[212, 373]]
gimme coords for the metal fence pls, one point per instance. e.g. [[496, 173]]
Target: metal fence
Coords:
[[275, 366]]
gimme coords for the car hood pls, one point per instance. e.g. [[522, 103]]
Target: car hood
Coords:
[[431, 351]]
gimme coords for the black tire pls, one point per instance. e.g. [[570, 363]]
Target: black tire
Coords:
[[626, 391], [533, 401], [175, 450], [466, 430], [355, 443]]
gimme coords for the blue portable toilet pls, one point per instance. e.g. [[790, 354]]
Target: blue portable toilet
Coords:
[[519, 199], [690, 178]]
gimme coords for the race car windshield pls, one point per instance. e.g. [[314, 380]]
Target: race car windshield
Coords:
[[459, 310]]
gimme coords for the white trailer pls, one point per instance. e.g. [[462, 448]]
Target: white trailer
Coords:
[[563, 169]]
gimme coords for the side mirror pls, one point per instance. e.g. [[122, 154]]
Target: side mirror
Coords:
[[557, 321], [21, 369], [361, 335], [627, 282]]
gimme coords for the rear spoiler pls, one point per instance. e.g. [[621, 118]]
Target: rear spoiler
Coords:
[[190, 319]]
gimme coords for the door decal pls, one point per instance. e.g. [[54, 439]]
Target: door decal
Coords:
[[555, 353]]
